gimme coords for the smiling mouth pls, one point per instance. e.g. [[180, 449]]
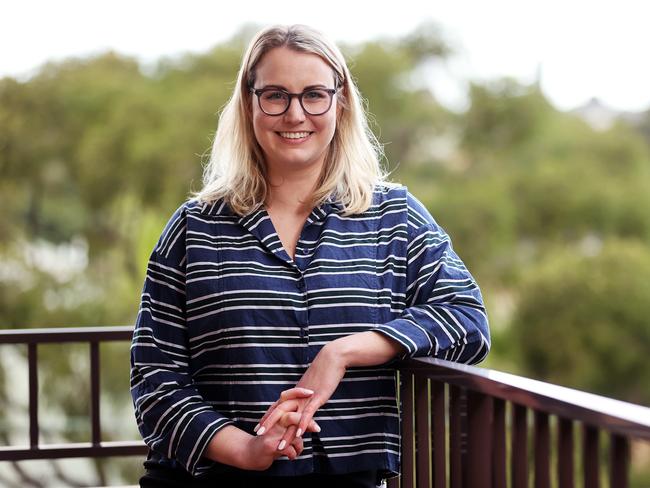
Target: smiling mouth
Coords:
[[294, 135]]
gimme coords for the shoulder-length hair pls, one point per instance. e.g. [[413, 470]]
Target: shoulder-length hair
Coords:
[[236, 169]]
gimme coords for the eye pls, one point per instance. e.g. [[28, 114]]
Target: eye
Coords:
[[315, 95], [274, 95]]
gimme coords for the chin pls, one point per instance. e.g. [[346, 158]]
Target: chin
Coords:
[[297, 160]]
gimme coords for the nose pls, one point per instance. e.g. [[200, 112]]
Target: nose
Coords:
[[294, 114]]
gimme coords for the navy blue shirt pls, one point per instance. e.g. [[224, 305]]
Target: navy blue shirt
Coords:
[[228, 321]]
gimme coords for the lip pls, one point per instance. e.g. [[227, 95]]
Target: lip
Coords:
[[294, 142]]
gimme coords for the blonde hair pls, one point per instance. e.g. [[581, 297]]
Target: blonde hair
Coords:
[[236, 169]]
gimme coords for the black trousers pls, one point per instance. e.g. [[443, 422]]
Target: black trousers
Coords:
[[160, 477]]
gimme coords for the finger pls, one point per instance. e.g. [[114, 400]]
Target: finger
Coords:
[[290, 394], [307, 414], [298, 445], [287, 438], [289, 419], [290, 452], [293, 418], [266, 415], [276, 415], [312, 427], [297, 392]]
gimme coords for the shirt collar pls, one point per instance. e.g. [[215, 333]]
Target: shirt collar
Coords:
[[221, 207]]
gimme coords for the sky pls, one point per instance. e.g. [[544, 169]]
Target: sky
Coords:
[[578, 49]]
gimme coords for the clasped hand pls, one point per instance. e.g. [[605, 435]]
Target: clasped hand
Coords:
[[296, 407]]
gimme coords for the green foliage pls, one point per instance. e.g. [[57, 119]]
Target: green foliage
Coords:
[[402, 112], [582, 319], [504, 118]]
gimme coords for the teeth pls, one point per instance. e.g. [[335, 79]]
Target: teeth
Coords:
[[294, 135]]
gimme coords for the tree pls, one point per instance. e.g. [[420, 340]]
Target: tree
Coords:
[[582, 319]]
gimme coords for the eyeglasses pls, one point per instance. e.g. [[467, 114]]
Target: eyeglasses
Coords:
[[314, 101]]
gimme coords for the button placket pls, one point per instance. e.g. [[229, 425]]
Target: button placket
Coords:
[[303, 319], [300, 284]]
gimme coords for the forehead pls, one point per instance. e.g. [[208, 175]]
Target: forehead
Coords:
[[292, 69]]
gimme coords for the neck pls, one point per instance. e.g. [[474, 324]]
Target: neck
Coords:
[[292, 190]]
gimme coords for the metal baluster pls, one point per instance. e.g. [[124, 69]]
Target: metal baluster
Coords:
[[32, 360], [94, 393]]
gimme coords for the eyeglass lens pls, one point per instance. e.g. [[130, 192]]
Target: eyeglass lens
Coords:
[[314, 102]]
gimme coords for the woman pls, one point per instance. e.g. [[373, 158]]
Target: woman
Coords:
[[277, 298]]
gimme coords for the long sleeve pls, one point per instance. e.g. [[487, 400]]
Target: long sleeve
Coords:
[[171, 414], [444, 315]]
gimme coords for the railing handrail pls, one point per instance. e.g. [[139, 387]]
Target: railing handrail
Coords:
[[66, 334], [614, 415]]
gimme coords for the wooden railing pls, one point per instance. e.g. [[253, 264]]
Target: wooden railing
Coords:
[[95, 448], [457, 421], [462, 426]]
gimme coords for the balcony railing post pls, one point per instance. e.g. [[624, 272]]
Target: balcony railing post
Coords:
[[32, 361], [499, 445], [519, 453], [479, 440], [591, 464], [94, 393], [439, 434], [565, 453], [422, 432], [619, 461], [408, 457], [456, 443], [542, 451]]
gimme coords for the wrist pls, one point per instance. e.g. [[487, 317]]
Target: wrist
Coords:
[[230, 446], [241, 452], [341, 352]]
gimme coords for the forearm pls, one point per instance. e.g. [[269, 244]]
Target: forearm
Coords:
[[365, 349]]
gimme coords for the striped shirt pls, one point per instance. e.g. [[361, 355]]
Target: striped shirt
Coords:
[[228, 320]]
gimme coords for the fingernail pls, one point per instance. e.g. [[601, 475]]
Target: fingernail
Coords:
[[256, 427], [261, 431], [317, 428], [282, 444], [307, 390], [298, 432]]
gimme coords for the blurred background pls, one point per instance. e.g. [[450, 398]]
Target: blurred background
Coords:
[[523, 126]]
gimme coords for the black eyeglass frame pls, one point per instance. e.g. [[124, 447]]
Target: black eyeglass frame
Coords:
[[260, 91]]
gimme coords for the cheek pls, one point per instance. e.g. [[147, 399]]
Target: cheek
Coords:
[[329, 125], [261, 126]]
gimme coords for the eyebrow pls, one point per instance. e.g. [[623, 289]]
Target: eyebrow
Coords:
[[310, 87]]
